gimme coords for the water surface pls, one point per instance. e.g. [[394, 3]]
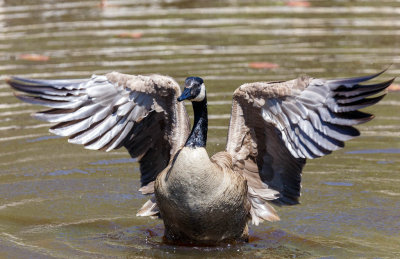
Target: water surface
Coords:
[[59, 200]]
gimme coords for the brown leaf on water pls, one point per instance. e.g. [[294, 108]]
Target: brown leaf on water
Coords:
[[298, 3], [394, 87], [263, 65], [33, 57], [103, 4], [136, 35]]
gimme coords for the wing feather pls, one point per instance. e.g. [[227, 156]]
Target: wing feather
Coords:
[[276, 126], [114, 110]]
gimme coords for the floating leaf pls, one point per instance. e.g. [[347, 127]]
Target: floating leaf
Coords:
[[136, 35], [299, 3], [394, 87], [34, 57], [261, 65], [103, 4]]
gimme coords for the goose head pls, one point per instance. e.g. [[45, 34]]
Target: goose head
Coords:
[[194, 90]]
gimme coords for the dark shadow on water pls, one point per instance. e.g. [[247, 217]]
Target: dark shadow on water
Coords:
[[149, 242], [43, 138], [338, 183], [115, 161], [375, 151], [67, 172]]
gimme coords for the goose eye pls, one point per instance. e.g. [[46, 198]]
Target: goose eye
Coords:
[[195, 91]]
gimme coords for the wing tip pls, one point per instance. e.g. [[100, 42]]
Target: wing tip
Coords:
[[7, 79], [356, 80], [12, 81], [375, 100], [15, 79], [389, 82]]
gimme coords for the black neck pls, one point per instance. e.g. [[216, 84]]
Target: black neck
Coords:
[[198, 136]]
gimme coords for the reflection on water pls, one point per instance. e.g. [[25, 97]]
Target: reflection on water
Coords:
[[376, 151], [59, 200]]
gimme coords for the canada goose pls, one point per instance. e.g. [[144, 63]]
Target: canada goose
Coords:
[[274, 128]]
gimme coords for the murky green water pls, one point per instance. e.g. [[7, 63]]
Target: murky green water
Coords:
[[59, 200]]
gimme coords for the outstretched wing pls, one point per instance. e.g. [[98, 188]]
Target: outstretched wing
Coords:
[[107, 112], [276, 126]]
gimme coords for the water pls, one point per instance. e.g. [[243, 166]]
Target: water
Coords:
[[59, 200]]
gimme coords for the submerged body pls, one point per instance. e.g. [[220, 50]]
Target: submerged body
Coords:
[[201, 201], [274, 128]]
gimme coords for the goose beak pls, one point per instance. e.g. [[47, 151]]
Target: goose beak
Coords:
[[185, 95]]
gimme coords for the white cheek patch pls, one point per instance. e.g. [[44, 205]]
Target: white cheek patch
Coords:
[[200, 97]]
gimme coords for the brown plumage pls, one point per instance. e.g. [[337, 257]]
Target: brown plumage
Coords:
[[202, 201], [274, 128]]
